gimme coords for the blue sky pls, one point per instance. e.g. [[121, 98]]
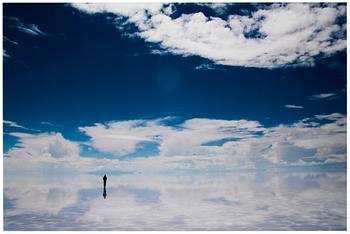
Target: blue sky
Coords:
[[131, 82]]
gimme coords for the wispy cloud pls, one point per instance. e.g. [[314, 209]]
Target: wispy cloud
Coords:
[[8, 40], [50, 124], [269, 37], [323, 96], [331, 117], [292, 106], [16, 125], [205, 66], [5, 54], [31, 29]]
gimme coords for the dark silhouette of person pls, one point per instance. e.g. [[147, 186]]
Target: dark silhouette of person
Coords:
[[104, 181], [104, 193], [104, 187]]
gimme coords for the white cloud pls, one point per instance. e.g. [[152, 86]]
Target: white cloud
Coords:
[[48, 152], [323, 96], [333, 117], [220, 8], [195, 133], [205, 66], [14, 124], [282, 34], [6, 39], [121, 138], [239, 143], [195, 144], [50, 124], [311, 143], [43, 146], [31, 29], [5, 54], [135, 12], [291, 106]]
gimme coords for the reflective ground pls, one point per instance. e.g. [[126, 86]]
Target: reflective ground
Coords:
[[235, 201]]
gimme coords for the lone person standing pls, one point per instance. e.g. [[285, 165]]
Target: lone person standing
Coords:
[[104, 194], [104, 181]]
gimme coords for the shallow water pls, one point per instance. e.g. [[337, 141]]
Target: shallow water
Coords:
[[234, 201]]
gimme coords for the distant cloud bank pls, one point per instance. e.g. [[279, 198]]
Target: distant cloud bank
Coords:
[[196, 143]]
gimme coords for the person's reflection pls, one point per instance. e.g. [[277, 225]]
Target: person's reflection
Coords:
[[104, 187], [104, 193]]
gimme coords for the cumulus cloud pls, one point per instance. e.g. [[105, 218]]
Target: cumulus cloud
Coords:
[[292, 106], [48, 152], [269, 37], [323, 96], [122, 137], [194, 144], [195, 133], [43, 145], [321, 143], [206, 143]]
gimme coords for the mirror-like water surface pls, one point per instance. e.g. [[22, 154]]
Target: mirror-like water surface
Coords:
[[235, 201]]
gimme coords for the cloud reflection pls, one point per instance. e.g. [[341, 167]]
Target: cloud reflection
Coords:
[[236, 201]]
